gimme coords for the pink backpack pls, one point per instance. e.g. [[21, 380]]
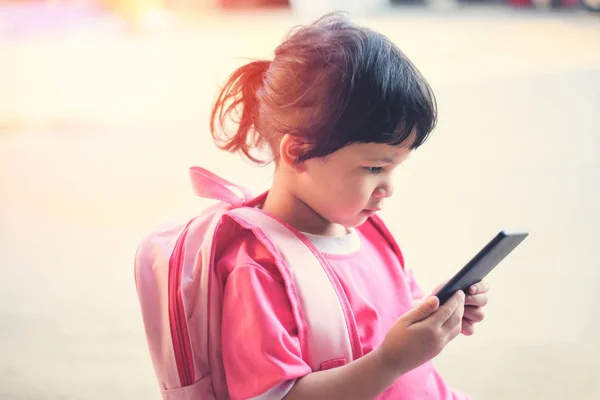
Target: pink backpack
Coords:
[[180, 294]]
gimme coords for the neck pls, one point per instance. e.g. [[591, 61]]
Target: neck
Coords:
[[284, 204]]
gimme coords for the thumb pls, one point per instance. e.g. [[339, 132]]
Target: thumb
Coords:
[[422, 310]]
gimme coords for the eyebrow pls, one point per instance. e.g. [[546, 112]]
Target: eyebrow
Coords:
[[385, 160]]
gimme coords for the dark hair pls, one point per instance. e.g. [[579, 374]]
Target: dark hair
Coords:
[[331, 84]]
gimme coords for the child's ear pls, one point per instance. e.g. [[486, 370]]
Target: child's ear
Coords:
[[290, 152]]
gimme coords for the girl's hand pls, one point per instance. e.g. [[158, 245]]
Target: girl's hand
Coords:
[[422, 333], [476, 299]]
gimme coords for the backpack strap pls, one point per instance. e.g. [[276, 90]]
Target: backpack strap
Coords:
[[331, 336], [327, 328]]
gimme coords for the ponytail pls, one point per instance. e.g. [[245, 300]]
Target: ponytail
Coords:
[[238, 101]]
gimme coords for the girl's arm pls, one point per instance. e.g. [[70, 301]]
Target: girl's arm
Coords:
[[416, 337], [365, 378]]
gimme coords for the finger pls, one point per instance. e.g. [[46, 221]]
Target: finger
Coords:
[[473, 314], [480, 287], [422, 310], [453, 326], [477, 300], [449, 307], [455, 319], [467, 328]]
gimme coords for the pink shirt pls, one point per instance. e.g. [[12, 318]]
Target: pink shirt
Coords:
[[261, 351]]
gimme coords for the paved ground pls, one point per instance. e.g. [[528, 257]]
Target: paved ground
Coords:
[[97, 129]]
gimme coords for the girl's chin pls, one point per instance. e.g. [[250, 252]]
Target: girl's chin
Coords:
[[357, 221]]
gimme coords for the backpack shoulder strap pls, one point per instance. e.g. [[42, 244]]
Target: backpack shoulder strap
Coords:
[[327, 331], [326, 326]]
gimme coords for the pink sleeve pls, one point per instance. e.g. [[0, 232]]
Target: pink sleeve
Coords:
[[261, 351]]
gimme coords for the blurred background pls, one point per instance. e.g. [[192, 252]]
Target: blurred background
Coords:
[[104, 105]]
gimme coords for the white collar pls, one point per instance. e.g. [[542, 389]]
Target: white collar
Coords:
[[347, 244]]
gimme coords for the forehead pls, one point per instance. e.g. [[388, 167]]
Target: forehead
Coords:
[[377, 152]]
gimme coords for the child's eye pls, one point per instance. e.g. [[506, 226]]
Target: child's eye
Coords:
[[374, 170]]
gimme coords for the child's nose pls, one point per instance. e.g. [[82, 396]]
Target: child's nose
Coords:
[[384, 191]]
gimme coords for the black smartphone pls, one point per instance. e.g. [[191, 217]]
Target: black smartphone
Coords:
[[481, 265]]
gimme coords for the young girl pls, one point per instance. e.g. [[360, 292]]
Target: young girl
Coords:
[[340, 107]]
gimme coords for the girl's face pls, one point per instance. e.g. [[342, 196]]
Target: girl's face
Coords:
[[349, 185]]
